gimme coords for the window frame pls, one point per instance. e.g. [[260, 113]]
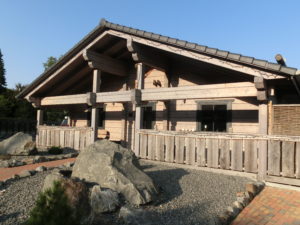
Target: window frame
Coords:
[[227, 102]]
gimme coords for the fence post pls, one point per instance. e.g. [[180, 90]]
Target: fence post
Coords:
[[263, 144]]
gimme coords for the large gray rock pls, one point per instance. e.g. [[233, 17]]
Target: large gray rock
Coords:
[[112, 166], [103, 200], [18, 144]]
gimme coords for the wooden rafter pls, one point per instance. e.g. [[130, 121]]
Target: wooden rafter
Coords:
[[105, 63], [147, 56]]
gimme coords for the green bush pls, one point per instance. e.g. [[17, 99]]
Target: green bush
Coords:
[[52, 208], [55, 150]]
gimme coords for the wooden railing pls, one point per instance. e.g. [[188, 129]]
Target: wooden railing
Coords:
[[227, 151], [73, 137]]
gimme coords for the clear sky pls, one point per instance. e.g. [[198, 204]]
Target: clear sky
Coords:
[[33, 30]]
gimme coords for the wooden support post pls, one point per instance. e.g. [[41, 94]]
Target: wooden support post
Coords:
[[40, 117], [140, 68], [263, 144], [95, 111]]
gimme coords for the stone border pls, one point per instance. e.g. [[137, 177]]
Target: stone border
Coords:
[[28, 173], [243, 199], [35, 159]]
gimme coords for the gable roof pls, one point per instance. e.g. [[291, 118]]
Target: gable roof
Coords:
[[213, 52]]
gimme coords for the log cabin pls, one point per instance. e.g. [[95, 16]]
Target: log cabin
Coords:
[[175, 101]]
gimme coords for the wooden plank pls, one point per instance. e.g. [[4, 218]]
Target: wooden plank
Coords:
[[82, 140], [190, 154], [237, 155], [179, 149], [62, 138], [48, 138], [71, 139], [274, 157], [120, 96], [76, 139], [64, 100], [151, 146], [224, 154], [298, 160], [262, 159], [250, 155], [283, 180], [170, 146], [201, 152], [160, 155], [212, 153], [242, 89], [143, 146], [56, 137], [288, 159]]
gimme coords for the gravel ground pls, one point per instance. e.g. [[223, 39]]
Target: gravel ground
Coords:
[[191, 196], [187, 197], [19, 198]]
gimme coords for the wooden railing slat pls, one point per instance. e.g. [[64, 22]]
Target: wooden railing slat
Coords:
[[201, 158], [224, 154], [274, 158], [237, 155], [288, 153]]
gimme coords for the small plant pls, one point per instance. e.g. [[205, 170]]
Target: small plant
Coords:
[[52, 208], [55, 150]]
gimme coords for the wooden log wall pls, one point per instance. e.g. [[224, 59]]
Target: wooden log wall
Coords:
[[225, 151], [72, 137]]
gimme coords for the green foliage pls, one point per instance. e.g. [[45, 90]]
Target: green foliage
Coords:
[[52, 208], [12, 107], [50, 62], [2, 75], [54, 150]]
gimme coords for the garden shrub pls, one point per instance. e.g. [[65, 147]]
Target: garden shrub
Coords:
[[55, 150], [52, 208]]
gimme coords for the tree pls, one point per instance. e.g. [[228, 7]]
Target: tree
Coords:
[[19, 87], [2, 75], [50, 62], [52, 207]]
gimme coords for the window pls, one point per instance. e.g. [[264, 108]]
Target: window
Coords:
[[101, 119], [214, 116], [149, 116]]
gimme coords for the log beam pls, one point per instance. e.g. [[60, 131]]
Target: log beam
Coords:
[[261, 86], [105, 63], [95, 111], [150, 58], [138, 109]]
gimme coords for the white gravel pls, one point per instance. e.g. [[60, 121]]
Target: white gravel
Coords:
[[187, 197]]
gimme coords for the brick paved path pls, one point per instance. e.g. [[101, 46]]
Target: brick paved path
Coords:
[[273, 206], [6, 173]]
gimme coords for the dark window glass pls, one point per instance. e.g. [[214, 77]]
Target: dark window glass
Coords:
[[212, 118], [148, 117], [101, 118]]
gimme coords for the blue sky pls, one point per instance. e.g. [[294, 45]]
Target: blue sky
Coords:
[[33, 30]]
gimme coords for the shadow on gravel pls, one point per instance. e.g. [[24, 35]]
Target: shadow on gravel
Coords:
[[191, 215], [5, 217], [168, 183]]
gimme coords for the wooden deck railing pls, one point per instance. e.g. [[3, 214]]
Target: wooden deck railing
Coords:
[[73, 137], [226, 151]]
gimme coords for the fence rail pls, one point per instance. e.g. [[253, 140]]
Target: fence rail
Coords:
[[73, 137], [227, 151]]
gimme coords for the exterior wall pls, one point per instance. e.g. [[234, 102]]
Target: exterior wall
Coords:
[[182, 113]]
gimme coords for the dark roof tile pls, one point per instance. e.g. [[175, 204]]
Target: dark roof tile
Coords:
[[201, 48], [222, 53], [181, 43], [273, 66], [234, 56], [190, 45], [211, 50], [246, 59], [259, 62]]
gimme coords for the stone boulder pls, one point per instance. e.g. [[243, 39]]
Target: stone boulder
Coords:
[[103, 200], [18, 144], [114, 167]]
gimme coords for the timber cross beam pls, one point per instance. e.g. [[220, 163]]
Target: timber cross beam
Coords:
[[105, 63], [148, 57]]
